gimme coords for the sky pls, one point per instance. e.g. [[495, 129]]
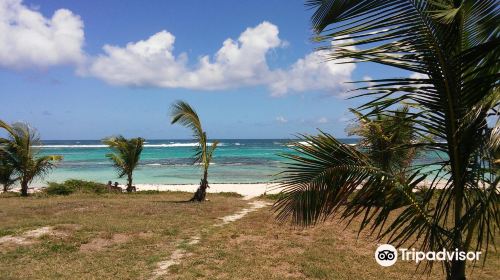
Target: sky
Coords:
[[92, 69]]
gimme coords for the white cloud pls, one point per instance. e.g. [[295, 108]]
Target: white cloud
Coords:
[[322, 120], [419, 76], [238, 63], [313, 72], [281, 119], [28, 39]]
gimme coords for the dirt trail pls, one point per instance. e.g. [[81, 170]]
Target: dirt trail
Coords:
[[179, 253]]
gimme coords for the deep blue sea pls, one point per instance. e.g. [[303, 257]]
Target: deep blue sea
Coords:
[[169, 161]]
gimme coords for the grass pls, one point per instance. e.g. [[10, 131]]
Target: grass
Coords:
[[107, 236], [115, 236], [255, 247]]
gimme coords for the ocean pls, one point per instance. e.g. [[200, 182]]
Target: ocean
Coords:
[[169, 161]]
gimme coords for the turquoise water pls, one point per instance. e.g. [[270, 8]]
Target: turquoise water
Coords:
[[169, 162]]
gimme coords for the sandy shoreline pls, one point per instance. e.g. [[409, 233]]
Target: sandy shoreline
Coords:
[[247, 190]]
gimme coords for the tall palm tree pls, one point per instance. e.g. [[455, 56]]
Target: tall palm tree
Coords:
[[183, 114], [454, 46], [20, 152], [125, 156]]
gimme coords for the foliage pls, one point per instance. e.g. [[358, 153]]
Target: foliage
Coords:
[[74, 186], [385, 139], [58, 189], [185, 115], [125, 156], [20, 151], [454, 47], [6, 174]]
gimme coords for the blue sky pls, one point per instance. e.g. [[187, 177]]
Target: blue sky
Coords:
[[264, 82]]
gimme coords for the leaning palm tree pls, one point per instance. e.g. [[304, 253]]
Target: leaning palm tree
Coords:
[[20, 152], [125, 156], [182, 113], [454, 47]]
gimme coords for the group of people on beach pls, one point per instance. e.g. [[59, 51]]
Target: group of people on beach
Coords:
[[116, 188]]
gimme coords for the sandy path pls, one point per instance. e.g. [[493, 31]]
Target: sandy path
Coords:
[[180, 253]]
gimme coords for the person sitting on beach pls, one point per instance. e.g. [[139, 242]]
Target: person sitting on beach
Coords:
[[109, 186], [117, 188]]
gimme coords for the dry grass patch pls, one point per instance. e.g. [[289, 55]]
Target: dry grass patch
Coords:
[[255, 247], [112, 236]]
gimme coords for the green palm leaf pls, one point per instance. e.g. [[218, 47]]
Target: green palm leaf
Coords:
[[456, 45]]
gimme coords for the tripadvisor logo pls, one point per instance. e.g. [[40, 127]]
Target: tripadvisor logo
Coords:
[[387, 255]]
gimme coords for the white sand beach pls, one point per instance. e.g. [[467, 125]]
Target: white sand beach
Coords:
[[246, 190]]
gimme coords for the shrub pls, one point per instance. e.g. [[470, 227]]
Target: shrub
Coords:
[[59, 189], [86, 186], [72, 186]]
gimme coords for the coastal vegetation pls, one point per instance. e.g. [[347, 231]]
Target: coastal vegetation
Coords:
[[453, 47], [185, 115], [6, 174], [125, 156], [20, 153], [75, 186]]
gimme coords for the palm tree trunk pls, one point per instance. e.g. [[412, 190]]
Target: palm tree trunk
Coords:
[[5, 188], [129, 183], [201, 192], [457, 270], [24, 188]]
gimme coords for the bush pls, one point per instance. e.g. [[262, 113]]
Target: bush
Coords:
[[72, 186], [273, 196], [86, 186], [59, 189], [230, 194]]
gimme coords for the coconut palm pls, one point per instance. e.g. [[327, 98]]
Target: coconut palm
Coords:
[[454, 48], [20, 152], [183, 114], [125, 156], [384, 139]]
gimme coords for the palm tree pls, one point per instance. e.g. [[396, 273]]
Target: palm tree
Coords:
[[384, 139], [125, 156], [454, 46], [182, 113], [6, 174], [20, 153]]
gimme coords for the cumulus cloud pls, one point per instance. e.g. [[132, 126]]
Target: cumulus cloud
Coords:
[[313, 72], [152, 62], [28, 39], [238, 63]]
